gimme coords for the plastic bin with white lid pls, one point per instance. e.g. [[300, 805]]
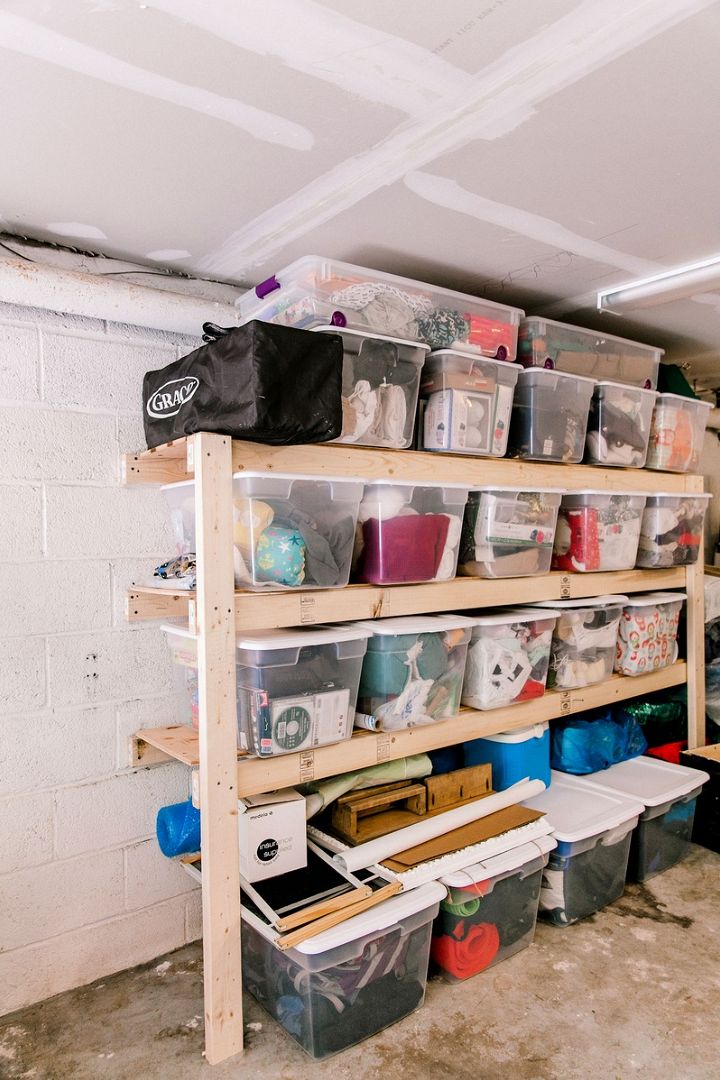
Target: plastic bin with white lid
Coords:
[[647, 634], [550, 416], [669, 793], [509, 531], [410, 532], [413, 670], [349, 982], [469, 402], [296, 689], [671, 532], [546, 343], [584, 640], [598, 530], [290, 530], [676, 433], [593, 829], [314, 291], [619, 425], [490, 911], [380, 384], [514, 755], [508, 657]]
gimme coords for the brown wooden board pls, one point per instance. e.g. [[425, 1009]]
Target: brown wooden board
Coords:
[[457, 787]]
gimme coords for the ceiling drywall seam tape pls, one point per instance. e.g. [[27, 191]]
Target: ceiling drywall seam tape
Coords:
[[495, 102]]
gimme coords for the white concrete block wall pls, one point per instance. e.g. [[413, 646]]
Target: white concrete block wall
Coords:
[[84, 890]]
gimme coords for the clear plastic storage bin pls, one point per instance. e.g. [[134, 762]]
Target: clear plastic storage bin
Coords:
[[593, 829], [408, 532], [316, 291], [549, 416], [490, 911], [671, 533], [468, 403], [619, 425], [513, 755], [380, 384], [545, 343], [508, 657], [584, 640], [669, 794], [413, 670], [597, 530], [349, 982], [508, 532], [647, 634], [296, 689], [676, 433]]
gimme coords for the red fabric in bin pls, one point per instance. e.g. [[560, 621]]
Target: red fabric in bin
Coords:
[[668, 751], [404, 548]]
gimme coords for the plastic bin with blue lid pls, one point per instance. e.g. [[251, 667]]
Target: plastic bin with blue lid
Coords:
[[315, 291], [669, 794], [469, 403], [296, 688], [349, 982], [546, 343], [514, 755], [490, 911], [593, 828], [413, 670], [380, 384]]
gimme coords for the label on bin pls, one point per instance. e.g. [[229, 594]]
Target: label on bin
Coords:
[[521, 535], [283, 725]]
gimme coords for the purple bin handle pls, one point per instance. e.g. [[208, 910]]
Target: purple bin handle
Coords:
[[269, 285]]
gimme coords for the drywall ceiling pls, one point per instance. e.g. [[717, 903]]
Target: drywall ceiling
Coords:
[[527, 150]]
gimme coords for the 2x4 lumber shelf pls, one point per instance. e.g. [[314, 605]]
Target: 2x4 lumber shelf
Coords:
[[265, 610], [256, 775], [176, 461]]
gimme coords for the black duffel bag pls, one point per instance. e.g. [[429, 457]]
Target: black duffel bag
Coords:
[[262, 382]]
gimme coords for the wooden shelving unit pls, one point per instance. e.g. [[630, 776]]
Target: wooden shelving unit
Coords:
[[216, 612]]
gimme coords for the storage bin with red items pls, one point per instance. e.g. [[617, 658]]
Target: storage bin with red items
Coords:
[[508, 657], [597, 530]]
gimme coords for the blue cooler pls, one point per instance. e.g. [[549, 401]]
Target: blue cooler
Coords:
[[514, 755]]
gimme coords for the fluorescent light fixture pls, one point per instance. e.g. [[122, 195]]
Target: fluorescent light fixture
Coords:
[[677, 284]]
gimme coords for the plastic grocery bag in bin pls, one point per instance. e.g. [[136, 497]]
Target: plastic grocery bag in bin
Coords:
[[262, 382], [587, 744]]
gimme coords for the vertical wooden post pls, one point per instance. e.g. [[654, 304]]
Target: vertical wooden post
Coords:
[[212, 459], [695, 612]]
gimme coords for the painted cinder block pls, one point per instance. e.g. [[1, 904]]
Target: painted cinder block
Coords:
[[84, 669], [27, 831], [92, 522], [55, 596], [57, 747]]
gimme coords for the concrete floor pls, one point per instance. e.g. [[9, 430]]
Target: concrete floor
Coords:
[[632, 993]]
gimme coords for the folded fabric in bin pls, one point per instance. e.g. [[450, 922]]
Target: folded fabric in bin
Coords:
[[262, 382]]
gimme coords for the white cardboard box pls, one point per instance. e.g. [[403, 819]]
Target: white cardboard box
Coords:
[[272, 834]]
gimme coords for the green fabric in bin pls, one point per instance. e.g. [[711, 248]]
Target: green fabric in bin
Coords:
[[386, 671]]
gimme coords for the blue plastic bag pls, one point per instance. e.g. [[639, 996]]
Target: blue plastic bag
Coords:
[[594, 741]]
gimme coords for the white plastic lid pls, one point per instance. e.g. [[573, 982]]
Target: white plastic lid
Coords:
[[382, 916], [626, 387], [499, 864], [680, 495], [415, 624], [299, 637], [369, 334], [532, 731], [492, 488], [686, 400], [649, 598], [605, 492], [592, 333], [583, 602], [650, 779], [577, 810], [513, 615], [415, 484], [471, 359], [545, 372]]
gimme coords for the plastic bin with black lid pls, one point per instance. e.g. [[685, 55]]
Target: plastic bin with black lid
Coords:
[[669, 794], [550, 416], [347, 983], [593, 829]]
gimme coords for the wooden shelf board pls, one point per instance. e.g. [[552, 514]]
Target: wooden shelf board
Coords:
[[174, 461], [365, 748], [264, 610]]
